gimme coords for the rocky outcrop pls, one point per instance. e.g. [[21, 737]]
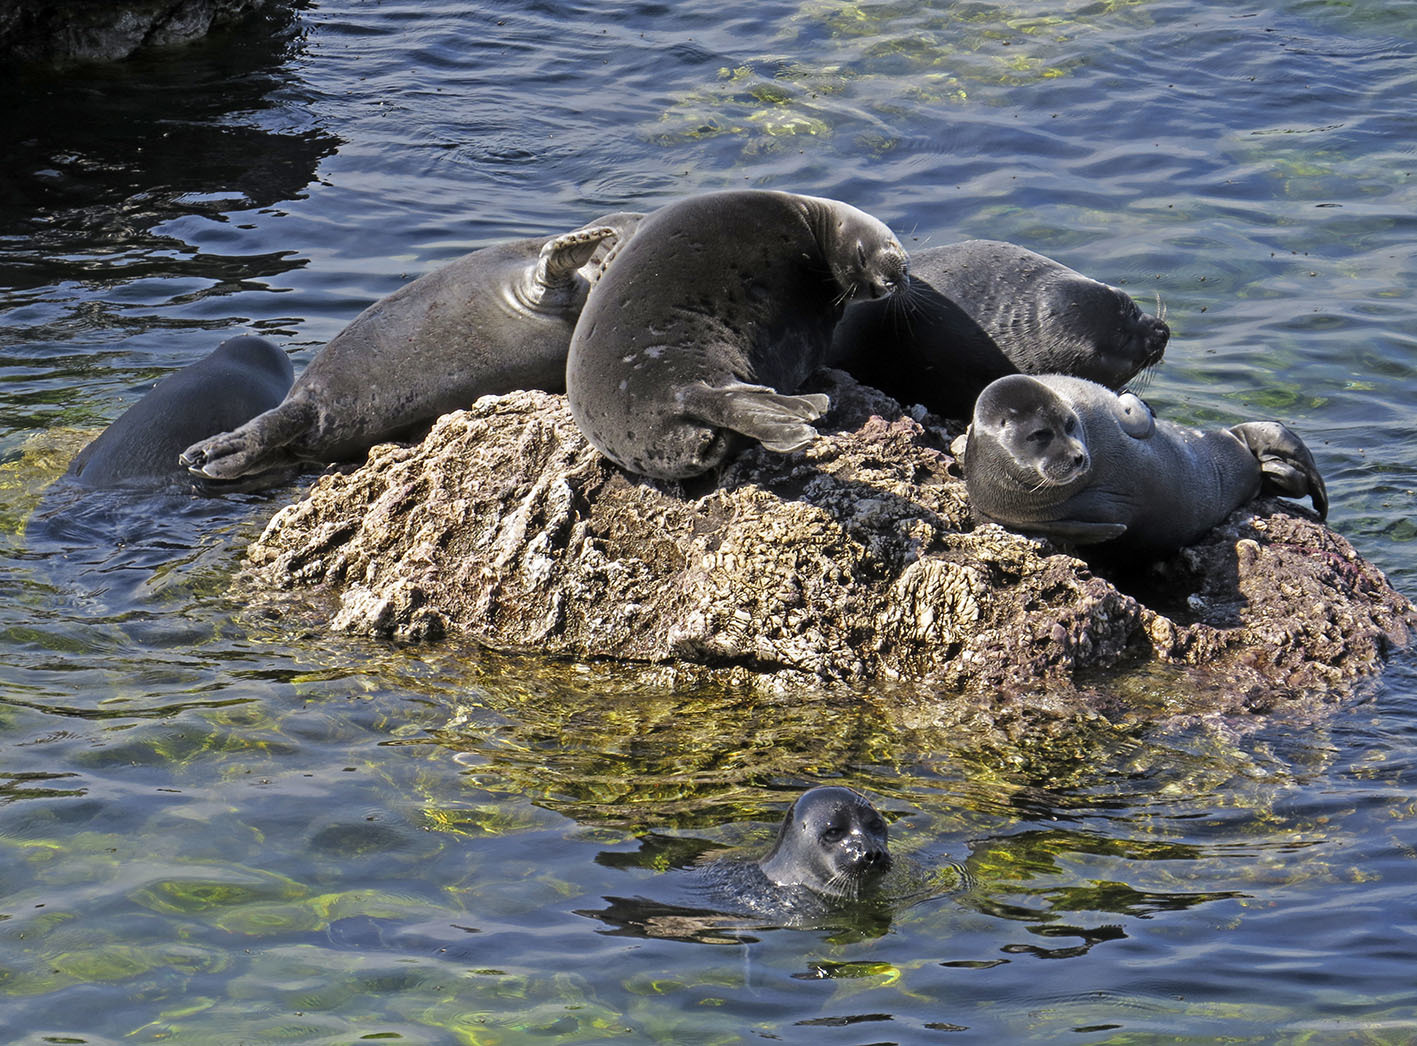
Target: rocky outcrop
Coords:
[[851, 563], [60, 31]]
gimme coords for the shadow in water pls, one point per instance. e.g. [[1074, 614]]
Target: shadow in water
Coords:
[[98, 157]]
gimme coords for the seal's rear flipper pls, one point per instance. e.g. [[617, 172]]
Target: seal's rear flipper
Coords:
[[256, 447], [562, 256], [778, 422], [1286, 466]]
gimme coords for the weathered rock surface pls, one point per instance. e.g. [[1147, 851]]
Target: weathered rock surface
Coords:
[[104, 30], [854, 562]]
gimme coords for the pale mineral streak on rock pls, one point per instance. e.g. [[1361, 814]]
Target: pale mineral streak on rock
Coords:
[[851, 563]]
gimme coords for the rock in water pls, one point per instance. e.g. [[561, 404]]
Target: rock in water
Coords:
[[855, 564]]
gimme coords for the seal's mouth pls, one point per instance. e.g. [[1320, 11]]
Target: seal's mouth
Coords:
[[1058, 470]]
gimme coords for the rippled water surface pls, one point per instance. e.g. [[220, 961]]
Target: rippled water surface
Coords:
[[221, 827]]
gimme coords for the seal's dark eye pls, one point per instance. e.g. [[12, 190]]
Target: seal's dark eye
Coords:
[[1041, 436], [861, 254], [832, 834], [1070, 426]]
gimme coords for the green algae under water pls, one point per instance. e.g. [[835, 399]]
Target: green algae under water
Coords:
[[222, 825]]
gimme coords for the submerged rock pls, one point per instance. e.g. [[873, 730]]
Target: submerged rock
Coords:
[[852, 563]]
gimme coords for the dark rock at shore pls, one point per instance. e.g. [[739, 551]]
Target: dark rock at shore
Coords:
[[851, 564], [62, 31]]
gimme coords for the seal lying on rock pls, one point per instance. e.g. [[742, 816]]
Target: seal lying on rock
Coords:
[[710, 318], [1074, 460], [496, 320], [242, 377], [978, 310]]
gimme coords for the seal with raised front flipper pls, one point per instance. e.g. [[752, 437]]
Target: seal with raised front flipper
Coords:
[[242, 377], [703, 328], [494, 321], [978, 310], [832, 841], [1071, 459]]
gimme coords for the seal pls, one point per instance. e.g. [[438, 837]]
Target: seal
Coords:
[[1071, 459], [493, 321], [978, 310], [832, 841], [240, 379], [703, 328]]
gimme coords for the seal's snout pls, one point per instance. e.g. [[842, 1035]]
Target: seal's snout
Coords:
[[894, 269], [876, 858], [1157, 339]]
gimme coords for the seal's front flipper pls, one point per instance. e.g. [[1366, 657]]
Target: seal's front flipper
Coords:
[[1286, 466], [256, 447], [778, 422]]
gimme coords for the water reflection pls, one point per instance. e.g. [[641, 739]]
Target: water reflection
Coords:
[[99, 156], [119, 179]]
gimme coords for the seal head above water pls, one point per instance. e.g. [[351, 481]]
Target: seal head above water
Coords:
[[703, 328], [832, 841]]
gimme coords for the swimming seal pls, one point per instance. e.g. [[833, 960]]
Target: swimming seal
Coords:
[[978, 310], [709, 319], [832, 841], [241, 378], [493, 321], [1072, 459]]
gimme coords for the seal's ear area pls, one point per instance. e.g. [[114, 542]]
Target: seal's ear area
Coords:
[[1286, 466], [1135, 416], [778, 422]]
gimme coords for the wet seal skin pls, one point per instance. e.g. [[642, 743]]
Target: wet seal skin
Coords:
[[494, 321], [1071, 459], [981, 309], [242, 377], [702, 330]]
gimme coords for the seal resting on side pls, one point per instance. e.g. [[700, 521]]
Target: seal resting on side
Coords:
[[1074, 460], [707, 322], [978, 310], [494, 321], [242, 377]]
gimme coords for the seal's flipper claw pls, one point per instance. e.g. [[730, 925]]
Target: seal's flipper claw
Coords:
[[256, 447], [1286, 466], [779, 422]]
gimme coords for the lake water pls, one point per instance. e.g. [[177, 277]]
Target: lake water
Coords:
[[221, 827]]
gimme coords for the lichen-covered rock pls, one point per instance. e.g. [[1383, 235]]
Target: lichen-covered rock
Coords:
[[853, 562]]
